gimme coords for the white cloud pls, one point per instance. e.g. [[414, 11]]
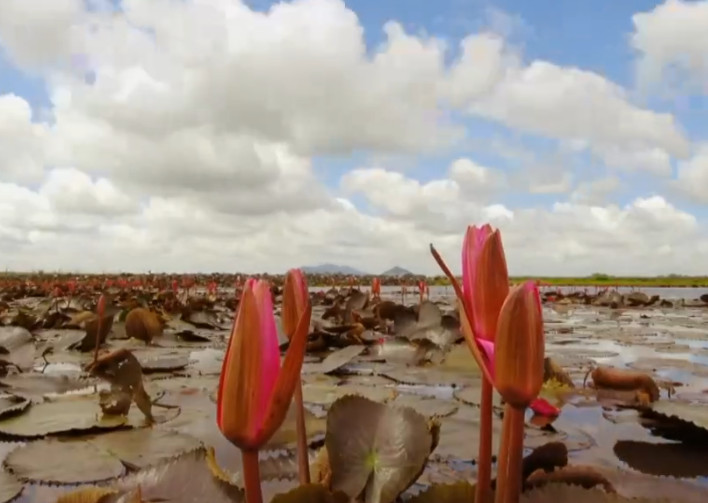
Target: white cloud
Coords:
[[672, 42], [22, 142], [692, 176], [184, 136], [573, 104]]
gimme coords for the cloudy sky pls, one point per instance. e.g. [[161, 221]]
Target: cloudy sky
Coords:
[[227, 135]]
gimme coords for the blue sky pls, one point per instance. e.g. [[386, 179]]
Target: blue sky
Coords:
[[558, 167]]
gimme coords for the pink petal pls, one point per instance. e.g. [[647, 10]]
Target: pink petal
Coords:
[[541, 407], [488, 353], [270, 356]]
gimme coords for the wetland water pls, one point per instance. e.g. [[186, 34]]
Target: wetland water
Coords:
[[62, 438]]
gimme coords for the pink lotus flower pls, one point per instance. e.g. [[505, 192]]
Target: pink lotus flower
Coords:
[[255, 391]]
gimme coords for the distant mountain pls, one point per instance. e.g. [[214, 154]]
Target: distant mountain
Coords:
[[332, 269], [397, 271]]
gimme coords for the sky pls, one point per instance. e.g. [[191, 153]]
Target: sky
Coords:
[[252, 136]]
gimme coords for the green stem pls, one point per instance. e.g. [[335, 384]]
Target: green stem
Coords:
[[511, 456], [484, 457], [302, 458], [251, 476]]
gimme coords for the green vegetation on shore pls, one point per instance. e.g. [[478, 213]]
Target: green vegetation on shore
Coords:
[[323, 280], [605, 280]]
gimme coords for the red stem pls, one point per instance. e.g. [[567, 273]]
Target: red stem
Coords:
[[302, 458], [484, 458], [511, 456], [251, 476]]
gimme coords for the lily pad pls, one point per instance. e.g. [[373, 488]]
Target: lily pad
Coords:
[[690, 412], [459, 435], [472, 394], [426, 406], [375, 450], [62, 415], [335, 360], [35, 386], [10, 487], [96, 458], [311, 493], [164, 363], [666, 459], [11, 405], [326, 394], [577, 494], [459, 492], [17, 346]]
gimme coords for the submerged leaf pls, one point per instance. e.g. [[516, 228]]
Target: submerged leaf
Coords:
[[374, 449]]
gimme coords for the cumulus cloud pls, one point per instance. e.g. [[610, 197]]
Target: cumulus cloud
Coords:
[[191, 136], [672, 45], [692, 176]]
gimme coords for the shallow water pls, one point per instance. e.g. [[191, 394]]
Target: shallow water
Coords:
[[671, 343]]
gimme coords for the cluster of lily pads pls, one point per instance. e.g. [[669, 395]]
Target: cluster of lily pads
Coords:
[[364, 443]]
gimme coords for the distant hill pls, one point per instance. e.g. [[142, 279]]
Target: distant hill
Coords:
[[332, 269], [397, 271]]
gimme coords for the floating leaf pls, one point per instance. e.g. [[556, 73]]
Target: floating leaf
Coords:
[[335, 360], [459, 437], [311, 493], [96, 458], [564, 492], [187, 479], [690, 412], [61, 415], [426, 406], [11, 405], [64, 462], [88, 495], [17, 347], [459, 492], [326, 394], [10, 487], [668, 459], [374, 449], [35, 386]]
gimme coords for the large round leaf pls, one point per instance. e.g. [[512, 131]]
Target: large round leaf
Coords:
[[96, 458], [65, 414], [10, 487], [374, 449]]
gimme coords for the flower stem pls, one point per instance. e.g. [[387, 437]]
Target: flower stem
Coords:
[[484, 458], [302, 458], [251, 476], [511, 452]]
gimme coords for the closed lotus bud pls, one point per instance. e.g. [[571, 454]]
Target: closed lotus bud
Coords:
[[520, 346], [295, 299], [143, 324]]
